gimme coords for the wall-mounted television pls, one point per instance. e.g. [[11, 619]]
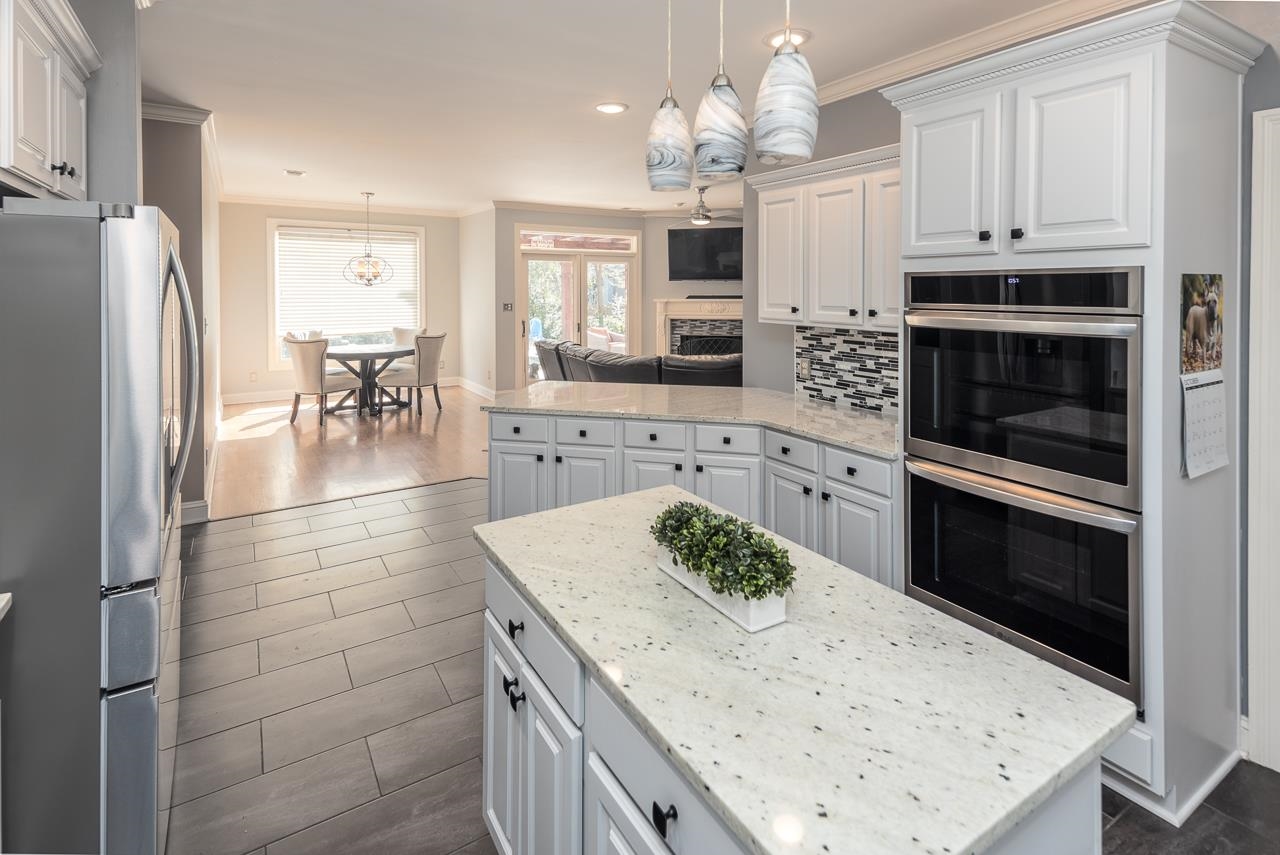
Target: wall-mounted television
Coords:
[[701, 255]]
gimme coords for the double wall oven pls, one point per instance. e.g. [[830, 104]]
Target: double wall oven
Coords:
[[1022, 430]]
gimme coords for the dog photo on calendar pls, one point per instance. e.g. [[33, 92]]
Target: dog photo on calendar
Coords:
[[1202, 310]]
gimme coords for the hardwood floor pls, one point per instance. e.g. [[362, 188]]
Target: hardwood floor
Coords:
[[264, 463]]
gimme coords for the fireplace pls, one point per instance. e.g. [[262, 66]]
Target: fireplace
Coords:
[[698, 326], [700, 344]]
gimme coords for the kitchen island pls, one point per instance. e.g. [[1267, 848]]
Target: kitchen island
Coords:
[[624, 714]]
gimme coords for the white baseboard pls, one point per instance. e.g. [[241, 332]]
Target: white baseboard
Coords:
[[1148, 801], [195, 512], [475, 388]]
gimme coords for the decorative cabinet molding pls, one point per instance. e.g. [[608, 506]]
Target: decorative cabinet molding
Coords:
[[781, 291]]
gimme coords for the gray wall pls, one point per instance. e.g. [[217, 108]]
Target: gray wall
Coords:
[[853, 124], [476, 300], [115, 101], [657, 286]]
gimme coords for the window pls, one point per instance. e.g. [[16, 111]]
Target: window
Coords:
[[540, 241], [309, 291]]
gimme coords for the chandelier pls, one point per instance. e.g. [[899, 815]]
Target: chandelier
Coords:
[[368, 269]]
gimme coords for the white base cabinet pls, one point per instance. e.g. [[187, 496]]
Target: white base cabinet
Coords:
[[614, 825]]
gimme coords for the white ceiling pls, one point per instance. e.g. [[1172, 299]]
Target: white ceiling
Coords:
[[448, 106]]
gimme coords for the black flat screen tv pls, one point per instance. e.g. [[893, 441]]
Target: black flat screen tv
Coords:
[[701, 255]]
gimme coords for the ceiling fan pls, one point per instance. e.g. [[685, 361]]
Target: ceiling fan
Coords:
[[701, 215]]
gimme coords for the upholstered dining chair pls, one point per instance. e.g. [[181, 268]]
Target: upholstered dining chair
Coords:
[[424, 372], [405, 337], [311, 378]]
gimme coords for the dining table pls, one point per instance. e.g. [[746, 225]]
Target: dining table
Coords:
[[367, 361]]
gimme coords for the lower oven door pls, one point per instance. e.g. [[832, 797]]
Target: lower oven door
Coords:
[[1056, 576]]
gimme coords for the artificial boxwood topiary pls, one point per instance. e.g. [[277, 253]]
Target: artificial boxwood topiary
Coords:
[[731, 554]]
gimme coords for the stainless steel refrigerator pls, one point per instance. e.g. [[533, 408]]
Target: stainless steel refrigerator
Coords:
[[101, 375]]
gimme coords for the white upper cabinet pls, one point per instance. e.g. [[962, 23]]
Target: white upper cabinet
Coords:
[[73, 121], [30, 93], [781, 291], [835, 246], [951, 183], [883, 294], [1083, 157]]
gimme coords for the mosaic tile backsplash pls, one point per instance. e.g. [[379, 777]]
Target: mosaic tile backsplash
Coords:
[[854, 367], [702, 326]]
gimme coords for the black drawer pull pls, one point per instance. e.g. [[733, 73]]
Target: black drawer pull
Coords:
[[697, 468], [679, 467], [785, 450], [582, 432], [851, 471], [662, 817], [984, 235], [727, 440], [1016, 234], [539, 458], [516, 429], [509, 683], [559, 459], [795, 310], [853, 313], [513, 628], [515, 700], [653, 437], [826, 497], [872, 312], [808, 491]]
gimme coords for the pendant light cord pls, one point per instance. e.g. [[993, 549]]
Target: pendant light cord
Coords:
[[722, 35], [668, 47], [786, 36]]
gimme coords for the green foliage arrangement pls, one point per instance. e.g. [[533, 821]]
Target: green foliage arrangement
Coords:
[[731, 554]]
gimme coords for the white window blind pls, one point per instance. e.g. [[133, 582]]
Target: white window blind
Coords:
[[312, 294]]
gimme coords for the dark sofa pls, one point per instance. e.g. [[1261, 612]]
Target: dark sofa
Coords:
[[565, 360]]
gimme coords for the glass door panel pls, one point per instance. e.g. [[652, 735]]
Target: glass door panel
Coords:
[[553, 307], [607, 304]]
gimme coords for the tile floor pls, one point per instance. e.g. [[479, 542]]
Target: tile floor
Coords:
[[329, 695]]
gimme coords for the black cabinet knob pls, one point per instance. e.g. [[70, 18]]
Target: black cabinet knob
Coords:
[[513, 628], [539, 458], [679, 467], [582, 433], [826, 497], [60, 168], [785, 450], [851, 471], [653, 437], [662, 817], [795, 310], [71, 172], [808, 491], [984, 235], [559, 459], [853, 313], [1016, 234], [872, 312], [697, 468], [509, 683], [727, 440], [516, 429], [515, 700]]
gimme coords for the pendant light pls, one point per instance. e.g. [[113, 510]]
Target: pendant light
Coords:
[[786, 119], [368, 269], [669, 150], [720, 131]]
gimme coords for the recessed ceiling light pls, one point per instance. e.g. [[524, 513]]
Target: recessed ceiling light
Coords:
[[612, 107], [798, 37], [295, 173]]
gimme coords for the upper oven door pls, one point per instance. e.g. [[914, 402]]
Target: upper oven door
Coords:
[[1046, 400], [1088, 291]]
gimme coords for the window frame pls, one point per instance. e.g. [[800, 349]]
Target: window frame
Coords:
[[276, 362]]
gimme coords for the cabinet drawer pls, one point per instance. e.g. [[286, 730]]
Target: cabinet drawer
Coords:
[[664, 435], [727, 440], [507, 426], [874, 476], [650, 780], [800, 453], [1132, 753], [584, 431], [553, 662]]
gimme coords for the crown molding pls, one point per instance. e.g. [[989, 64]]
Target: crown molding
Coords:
[[476, 209], [145, 4], [70, 35], [883, 156], [566, 209], [312, 205], [176, 113], [1183, 22]]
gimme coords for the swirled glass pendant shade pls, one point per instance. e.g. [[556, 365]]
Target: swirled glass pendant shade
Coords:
[[720, 133], [669, 150], [786, 117]]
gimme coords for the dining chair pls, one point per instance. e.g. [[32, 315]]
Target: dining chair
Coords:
[[311, 378], [424, 372]]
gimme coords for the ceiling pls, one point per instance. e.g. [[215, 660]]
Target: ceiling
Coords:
[[449, 106]]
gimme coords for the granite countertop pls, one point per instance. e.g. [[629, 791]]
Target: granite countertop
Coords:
[[866, 432], [878, 724]]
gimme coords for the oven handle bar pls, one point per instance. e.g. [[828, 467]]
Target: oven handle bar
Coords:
[[1005, 322], [1027, 498]]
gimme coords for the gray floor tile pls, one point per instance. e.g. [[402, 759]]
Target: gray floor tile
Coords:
[[312, 540], [304, 511], [217, 526], [229, 602], [483, 846], [209, 670], [252, 534], [463, 675], [414, 492], [217, 559], [320, 581], [417, 519], [356, 515], [379, 592], [473, 509], [336, 720], [431, 817], [257, 697], [449, 603], [1206, 832], [259, 623], [455, 529], [217, 761], [427, 745], [469, 569], [435, 553], [1250, 794], [331, 636], [388, 543], [410, 650], [456, 497], [1112, 803], [251, 573], [271, 806]]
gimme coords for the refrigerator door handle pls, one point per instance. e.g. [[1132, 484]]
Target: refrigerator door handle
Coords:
[[191, 384]]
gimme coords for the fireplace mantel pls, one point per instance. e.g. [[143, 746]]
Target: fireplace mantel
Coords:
[[666, 310]]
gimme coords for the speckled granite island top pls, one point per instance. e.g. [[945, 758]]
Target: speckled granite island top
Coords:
[[865, 432], [884, 726]]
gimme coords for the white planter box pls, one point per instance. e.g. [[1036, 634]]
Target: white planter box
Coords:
[[751, 615]]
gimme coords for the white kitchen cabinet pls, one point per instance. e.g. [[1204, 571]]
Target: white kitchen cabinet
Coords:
[[551, 791], [73, 121], [834, 237], [950, 177], [791, 504], [584, 474], [781, 239], [883, 295], [517, 479], [731, 481], [503, 740], [644, 469], [857, 531], [1082, 152], [613, 824]]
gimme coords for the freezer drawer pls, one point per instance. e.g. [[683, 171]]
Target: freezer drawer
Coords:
[[130, 748], [130, 638]]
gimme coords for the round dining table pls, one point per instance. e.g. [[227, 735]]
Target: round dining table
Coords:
[[367, 361]]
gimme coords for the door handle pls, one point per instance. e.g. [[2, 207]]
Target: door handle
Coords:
[[509, 683], [522, 332], [662, 817], [174, 266], [513, 628]]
